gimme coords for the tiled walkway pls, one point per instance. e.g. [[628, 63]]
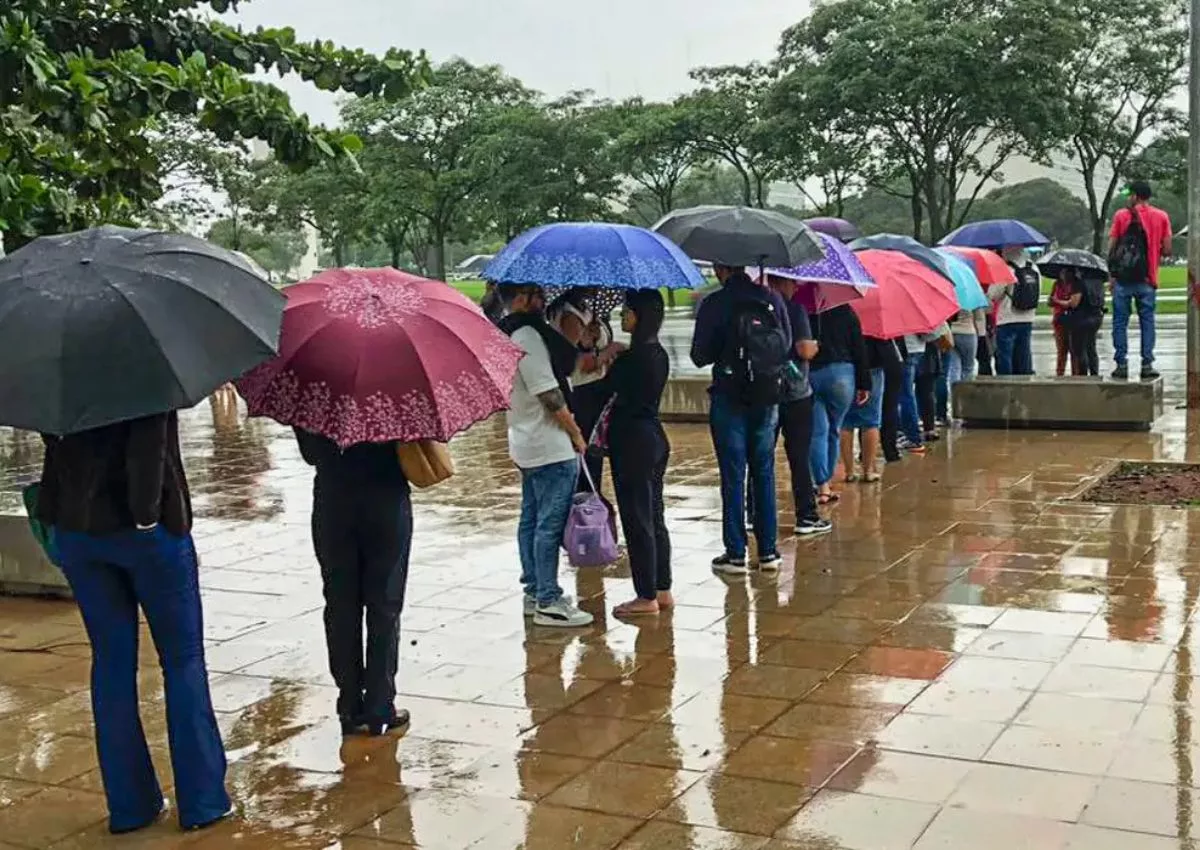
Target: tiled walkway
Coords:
[[969, 661]]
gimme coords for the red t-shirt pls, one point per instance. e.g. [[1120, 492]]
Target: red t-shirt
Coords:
[[1157, 225]]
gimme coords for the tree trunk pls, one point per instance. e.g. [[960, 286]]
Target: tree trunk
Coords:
[[438, 250], [395, 249], [917, 214], [339, 253]]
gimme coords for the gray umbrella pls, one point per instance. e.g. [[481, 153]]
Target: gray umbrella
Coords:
[[741, 236], [110, 324]]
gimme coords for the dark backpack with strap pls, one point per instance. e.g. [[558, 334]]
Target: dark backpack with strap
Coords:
[[1092, 300], [1027, 291], [758, 354], [1129, 257]]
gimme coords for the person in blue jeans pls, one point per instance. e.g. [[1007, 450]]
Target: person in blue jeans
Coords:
[[117, 499], [1137, 282], [840, 378], [910, 412], [546, 445], [1125, 297], [743, 434]]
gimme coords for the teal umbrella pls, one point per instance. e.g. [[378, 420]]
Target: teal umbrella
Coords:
[[967, 288]]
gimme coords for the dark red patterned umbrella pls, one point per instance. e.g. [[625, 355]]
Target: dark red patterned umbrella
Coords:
[[372, 355]]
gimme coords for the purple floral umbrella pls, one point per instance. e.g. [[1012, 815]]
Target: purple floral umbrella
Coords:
[[838, 278], [838, 228]]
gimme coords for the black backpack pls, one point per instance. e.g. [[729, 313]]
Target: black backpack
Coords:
[[1093, 295], [1129, 258], [758, 353], [1027, 291]]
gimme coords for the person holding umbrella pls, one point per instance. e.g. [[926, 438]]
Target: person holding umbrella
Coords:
[[1080, 278], [168, 320], [374, 365]]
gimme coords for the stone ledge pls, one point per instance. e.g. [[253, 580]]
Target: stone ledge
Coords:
[[685, 399], [24, 569], [1080, 404]]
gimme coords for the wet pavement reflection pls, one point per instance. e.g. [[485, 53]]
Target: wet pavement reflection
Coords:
[[971, 659]]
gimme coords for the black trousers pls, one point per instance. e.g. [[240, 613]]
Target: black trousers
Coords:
[[639, 464], [889, 431], [363, 535], [927, 400], [983, 355], [796, 424], [587, 403], [1082, 333]]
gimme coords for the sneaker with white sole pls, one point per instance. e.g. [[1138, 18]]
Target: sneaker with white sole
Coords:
[[807, 527], [562, 614], [730, 565], [770, 563], [530, 605]]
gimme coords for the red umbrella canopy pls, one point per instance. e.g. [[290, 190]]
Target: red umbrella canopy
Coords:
[[908, 297], [374, 355], [988, 266]]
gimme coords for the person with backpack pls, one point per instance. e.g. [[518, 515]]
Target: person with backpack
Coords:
[[743, 332], [1140, 237], [545, 443], [1083, 315], [841, 378], [1018, 303]]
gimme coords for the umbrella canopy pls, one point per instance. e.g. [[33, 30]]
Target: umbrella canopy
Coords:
[[615, 256], [1084, 263], [995, 233], [908, 298], [741, 236], [111, 324], [989, 267], [373, 355], [834, 280], [967, 288], [838, 228], [908, 246]]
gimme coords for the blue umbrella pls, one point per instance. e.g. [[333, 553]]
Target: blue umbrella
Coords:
[[908, 246], [967, 288], [612, 256], [995, 233]]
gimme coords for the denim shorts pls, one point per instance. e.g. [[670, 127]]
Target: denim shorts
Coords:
[[869, 415]]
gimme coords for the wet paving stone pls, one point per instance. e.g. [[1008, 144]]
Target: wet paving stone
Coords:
[[971, 659]]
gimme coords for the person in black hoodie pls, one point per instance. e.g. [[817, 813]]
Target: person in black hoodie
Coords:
[[362, 526], [639, 449], [117, 499]]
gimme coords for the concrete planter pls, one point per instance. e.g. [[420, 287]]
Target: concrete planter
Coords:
[[24, 569]]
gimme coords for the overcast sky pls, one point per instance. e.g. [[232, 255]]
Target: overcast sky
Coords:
[[618, 48]]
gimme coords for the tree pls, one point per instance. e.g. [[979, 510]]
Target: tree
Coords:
[[439, 140], [727, 117], [1120, 90], [710, 184], [944, 91], [330, 197], [278, 252], [656, 149], [1043, 203], [85, 83]]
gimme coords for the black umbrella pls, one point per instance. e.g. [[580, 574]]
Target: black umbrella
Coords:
[[1084, 263], [741, 236], [108, 325], [909, 247]]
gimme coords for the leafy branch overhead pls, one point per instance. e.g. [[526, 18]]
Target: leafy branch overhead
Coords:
[[84, 83]]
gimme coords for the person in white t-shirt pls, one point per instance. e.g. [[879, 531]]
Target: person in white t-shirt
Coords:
[[545, 443]]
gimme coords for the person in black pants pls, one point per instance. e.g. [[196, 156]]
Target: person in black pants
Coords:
[[1083, 317], [362, 526], [893, 386], [639, 451], [927, 379]]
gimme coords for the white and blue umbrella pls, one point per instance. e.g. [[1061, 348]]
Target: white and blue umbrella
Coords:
[[570, 255]]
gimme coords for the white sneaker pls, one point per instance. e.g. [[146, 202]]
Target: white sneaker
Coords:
[[562, 614]]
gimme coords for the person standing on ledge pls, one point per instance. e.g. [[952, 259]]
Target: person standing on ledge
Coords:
[[743, 332], [1139, 239]]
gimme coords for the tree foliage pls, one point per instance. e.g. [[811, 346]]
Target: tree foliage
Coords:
[[84, 84]]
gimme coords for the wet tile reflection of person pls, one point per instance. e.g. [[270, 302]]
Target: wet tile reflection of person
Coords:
[[362, 525]]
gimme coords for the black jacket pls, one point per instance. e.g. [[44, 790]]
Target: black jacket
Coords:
[[116, 478], [840, 340]]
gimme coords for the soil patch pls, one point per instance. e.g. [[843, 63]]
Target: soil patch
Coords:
[[1175, 484]]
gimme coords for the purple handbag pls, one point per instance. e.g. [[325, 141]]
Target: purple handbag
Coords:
[[589, 538]]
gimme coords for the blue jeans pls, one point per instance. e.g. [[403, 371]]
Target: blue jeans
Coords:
[[1146, 296], [546, 496], [833, 394], [1014, 349], [111, 575], [745, 439], [910, 414], [960, 363]]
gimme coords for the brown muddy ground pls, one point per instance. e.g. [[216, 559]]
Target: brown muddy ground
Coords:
[[1149, 483]]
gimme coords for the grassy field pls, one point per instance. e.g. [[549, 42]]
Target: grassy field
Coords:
[[1172, 281]]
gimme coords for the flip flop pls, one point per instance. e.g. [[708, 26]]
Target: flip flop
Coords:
[[828, 498]]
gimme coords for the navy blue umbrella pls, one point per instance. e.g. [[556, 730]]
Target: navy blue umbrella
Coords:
[[995, 233], [908, 246]]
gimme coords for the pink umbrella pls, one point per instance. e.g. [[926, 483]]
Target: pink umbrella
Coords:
[[908, 297], [373, 355]]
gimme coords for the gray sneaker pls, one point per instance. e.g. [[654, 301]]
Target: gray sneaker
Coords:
[[1121, 373], [530, 605], [561, 614], [730, 565]]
